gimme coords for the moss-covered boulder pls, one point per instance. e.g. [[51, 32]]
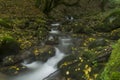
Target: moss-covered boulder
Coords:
[[97, 43], [44, 53], [112, 69], [78, 66], [8, 46], [13, 70], [115, 34], [42, 33], [110, 23]]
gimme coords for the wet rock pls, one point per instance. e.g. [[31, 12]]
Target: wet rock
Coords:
[[51, 42], [44, 53], [77, 66], [13, 70], [9, 60], [97, 43], [9, 46], [17, 59], [104, 54]]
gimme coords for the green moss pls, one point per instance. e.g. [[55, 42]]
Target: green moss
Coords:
[[112, 69], [5, 23], [8, 46], [110, 22], [78, 66]]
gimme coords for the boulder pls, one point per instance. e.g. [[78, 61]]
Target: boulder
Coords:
[[8, 46], [115, 34], [13, 70], [77, 66], [17, 59], [44, 53], [97, 43], [110, 23]]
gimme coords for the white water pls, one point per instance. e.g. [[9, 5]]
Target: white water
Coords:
[[55, 24], [42, 70], [54, 31]]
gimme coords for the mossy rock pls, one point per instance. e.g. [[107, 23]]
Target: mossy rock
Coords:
[[8, 46], [97, 43], [14, 70], [115, 34], [110, 23], [112, 69], [44, 53], [78, 66], [42, 32]]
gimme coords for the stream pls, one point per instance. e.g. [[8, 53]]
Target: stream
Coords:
[[40, 70]]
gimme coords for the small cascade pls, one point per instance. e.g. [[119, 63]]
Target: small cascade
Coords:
[[55, 24], [54, 31], [65, 42], [42, 70]]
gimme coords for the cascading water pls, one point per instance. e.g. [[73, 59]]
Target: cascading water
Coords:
[[42, 70]]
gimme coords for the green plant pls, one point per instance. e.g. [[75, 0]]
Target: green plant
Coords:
[[112, 69]]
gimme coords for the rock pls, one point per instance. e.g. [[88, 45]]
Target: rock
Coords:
[[9, 60], [44, 53], [75, 66], [8, 46], [115, 34], [17, 59], [96, 43], [51, 42], [110, 23], [104, 55], [13, 70]]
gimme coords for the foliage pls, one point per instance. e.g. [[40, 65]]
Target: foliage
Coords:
[[112, 69], [5, 23], [114, 3], [46, 5]]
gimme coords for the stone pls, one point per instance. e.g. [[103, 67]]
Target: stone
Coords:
[[9, 46], [96, 43], [44, 53], [115, 34], [110, 23]]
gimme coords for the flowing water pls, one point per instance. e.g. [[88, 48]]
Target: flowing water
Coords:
[[42, 70], [39, 70]]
